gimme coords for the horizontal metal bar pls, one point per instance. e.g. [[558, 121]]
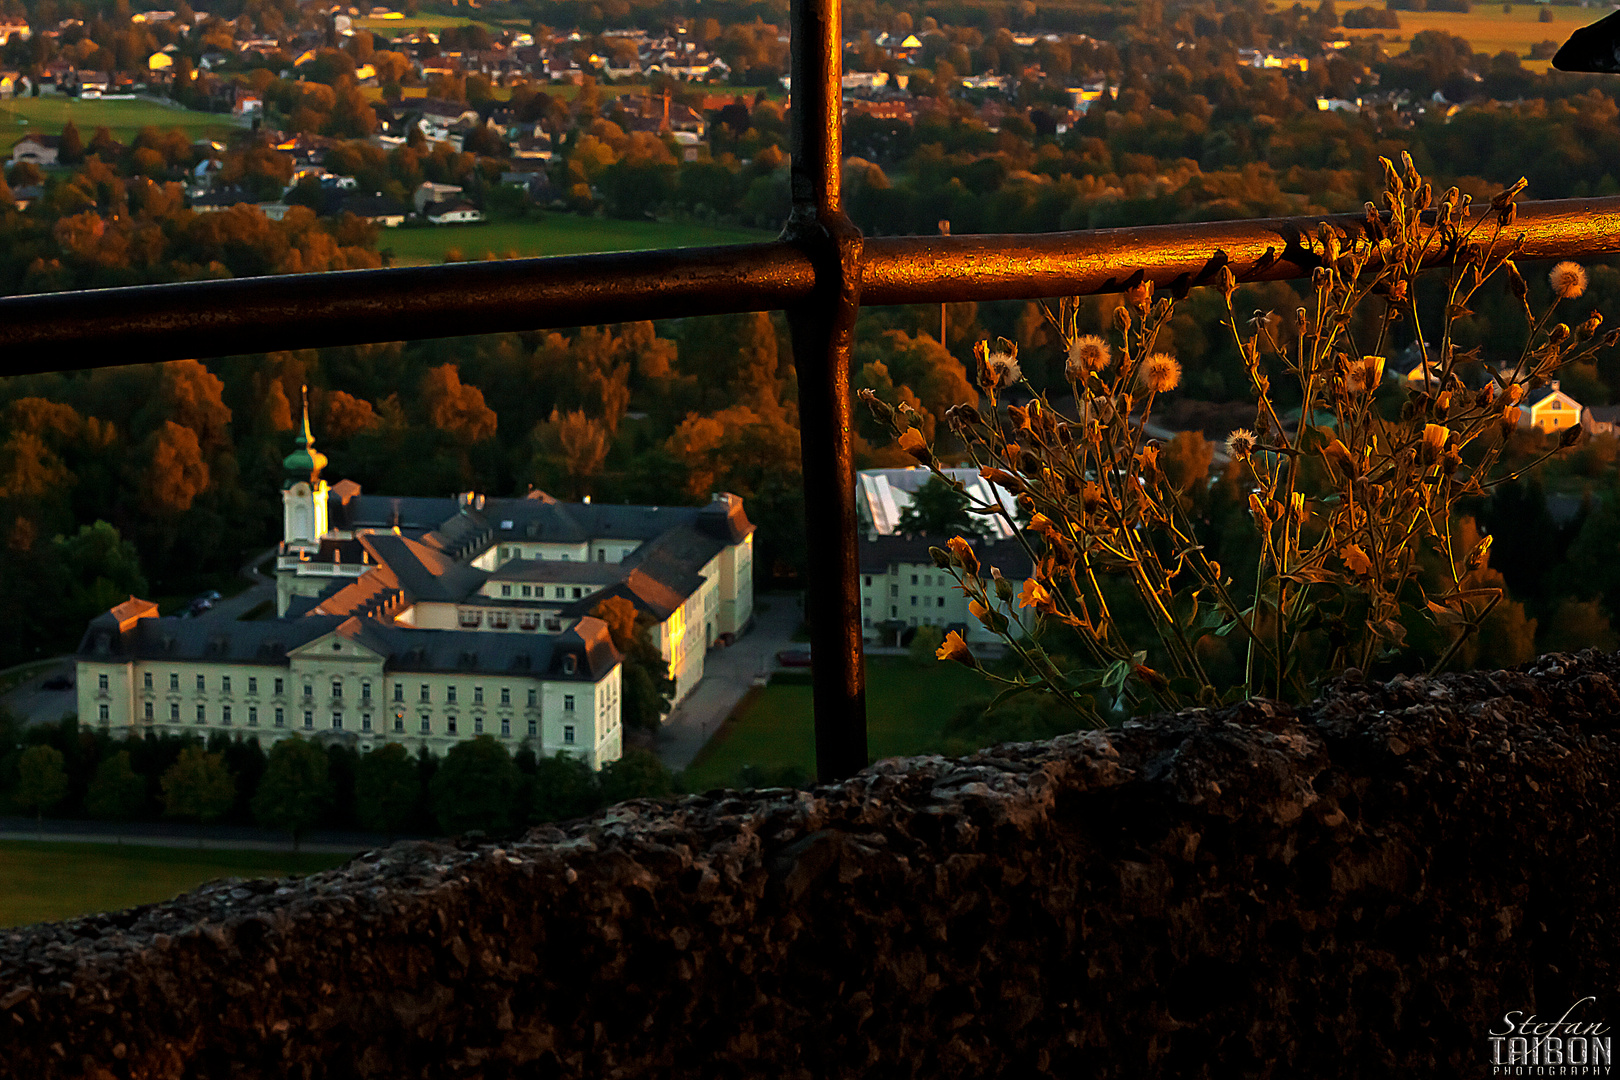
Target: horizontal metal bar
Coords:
[[61, 331], [101, 327], [946, 269]]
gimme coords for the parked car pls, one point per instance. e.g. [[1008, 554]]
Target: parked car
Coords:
[[797, 657]]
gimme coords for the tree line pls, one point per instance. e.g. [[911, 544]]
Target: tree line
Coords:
[[68, 771]]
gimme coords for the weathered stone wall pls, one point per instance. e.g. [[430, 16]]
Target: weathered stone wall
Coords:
[[1359, 891]]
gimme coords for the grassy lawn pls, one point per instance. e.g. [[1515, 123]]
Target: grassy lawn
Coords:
[[558, 234], [48, 115], [906, 709], [1490, 30], [43, 882]]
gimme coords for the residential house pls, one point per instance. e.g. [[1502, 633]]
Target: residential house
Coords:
[[430, 192], [1601, 419], [11, 27], [12, 83], [1547, 408], [38, 149], [378, 209], [882, 496], [452, 212], [221, 199]]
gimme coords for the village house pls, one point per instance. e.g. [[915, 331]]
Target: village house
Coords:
[[14, 28], [902, 589], [1547, 408], [37, 149], [452, 212]]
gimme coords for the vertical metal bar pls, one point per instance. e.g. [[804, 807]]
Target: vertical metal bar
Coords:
[[823, 332]]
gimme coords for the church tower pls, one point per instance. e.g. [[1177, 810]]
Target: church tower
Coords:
[[304, 494]]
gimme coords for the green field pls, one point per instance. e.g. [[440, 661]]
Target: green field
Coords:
[[1490, 30], [558, 234], [43, 882], [48, 115], [906, 710]]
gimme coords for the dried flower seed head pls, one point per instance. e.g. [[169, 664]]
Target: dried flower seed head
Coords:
[[1568, 280], [1088, 353], [1558, 334], [963, 413], [1257, 508], [1515, 280], [1004, 588], [1160, 373], [1397, 292], [879, 407], [1486, 396], [1240, 444], [1122, 319], [1509, 419], [1000, 370], [1330, 242], [1508, 215], [1514, 393], [1003, 479], [1091, 496], [1372, 372], [1035, 595], [1589, 328], [1571, 436], [941, 557], [1227, 282], [1297, 507]]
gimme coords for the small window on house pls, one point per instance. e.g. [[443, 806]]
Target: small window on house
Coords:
[[147, 680], [534, 697], [253, 716], [914, 602], [601, 556], [174, 681], [577, 593], [225, 714], [202, 714], [224, 684], [867, 622], [450, 726], [450, 695], [253, 684], [427, 725], [568, 702], [478, 725], [399, 691], [174, 712], [279, 686], [527, 591], [506, 695], [568, 734], [506, 590], [281, 717], [506, 727], [478, 695], [365, 721], [309, 689], [559, 592], [425, 696], [534, 727], [101, 683], [309, 720], [365, 691], [894, 590], [869, 579], [399, 721], [202, 684], [941, 602], [337, 721], [337, 688], [105, 713], [893, 611], [150, 715], [914, 579]]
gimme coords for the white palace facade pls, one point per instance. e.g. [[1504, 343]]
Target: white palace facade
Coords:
[[426, 621]]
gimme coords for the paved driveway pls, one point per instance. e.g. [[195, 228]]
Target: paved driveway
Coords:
[[728, 674]]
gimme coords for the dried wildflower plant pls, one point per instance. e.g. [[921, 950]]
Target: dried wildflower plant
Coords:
[[1344, 510]]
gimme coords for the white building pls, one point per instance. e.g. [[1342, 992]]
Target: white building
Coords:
[[882, 495], [901, 588], [425, 621]]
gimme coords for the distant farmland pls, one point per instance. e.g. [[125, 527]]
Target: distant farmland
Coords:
[[1490, 30], [48, 115]]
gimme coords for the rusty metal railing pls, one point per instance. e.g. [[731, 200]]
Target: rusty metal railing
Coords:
[[819, 272]]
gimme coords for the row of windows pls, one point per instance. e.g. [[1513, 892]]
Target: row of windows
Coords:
[[538, 592], [867, 622], [337, 689], [337, 720], [502, 620]]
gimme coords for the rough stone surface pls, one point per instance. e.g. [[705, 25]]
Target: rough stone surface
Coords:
[[1359, 890]]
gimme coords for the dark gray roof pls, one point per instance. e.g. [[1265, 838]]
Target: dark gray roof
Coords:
[[885, 551], [423, 571], [220, 641], [549, 570], [403, 648]]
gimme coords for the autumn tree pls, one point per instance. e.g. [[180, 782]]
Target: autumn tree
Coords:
[[454, 408], [646, 688], [176, 472]]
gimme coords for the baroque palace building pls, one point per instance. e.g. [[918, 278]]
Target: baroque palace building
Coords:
[[425, 621]]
